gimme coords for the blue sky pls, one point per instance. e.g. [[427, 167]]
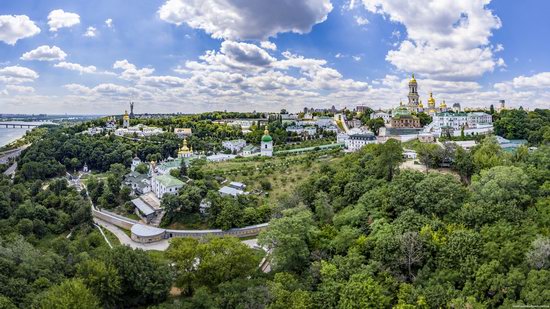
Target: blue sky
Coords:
[[197, 55]]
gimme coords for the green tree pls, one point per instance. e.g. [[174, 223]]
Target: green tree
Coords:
[[362, 291], [288, 238], [68, 295], [389, 156], [102, 280]]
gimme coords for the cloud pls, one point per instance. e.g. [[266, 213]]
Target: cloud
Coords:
[[109, 23], [16, 27], [76, 67], [19, 89], [17, 75], [268, 45], [453, 35], [356, 58], [90, 32], [58, 19], [245, 53], [539, 81], [246, 20], [361, 21], [45, 53], [130, 71]]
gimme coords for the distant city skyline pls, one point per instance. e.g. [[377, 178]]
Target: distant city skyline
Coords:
[[189, 56]]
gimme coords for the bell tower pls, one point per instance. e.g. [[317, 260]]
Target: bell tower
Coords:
[[413, 95]]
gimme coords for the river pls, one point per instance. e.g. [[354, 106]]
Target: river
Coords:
[[8, 135]]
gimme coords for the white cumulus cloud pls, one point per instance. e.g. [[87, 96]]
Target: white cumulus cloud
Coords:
[[16, 27], [58, 19], [90, 32], [246, 20], [17, 75], [45, 53], [109, 23], [446, 39]]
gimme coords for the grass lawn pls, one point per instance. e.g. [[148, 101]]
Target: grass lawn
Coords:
[[188, 222], [283, 172]]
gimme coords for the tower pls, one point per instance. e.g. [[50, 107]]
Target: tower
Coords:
[[132, 110], [266, 144], [413, 95], [125, 120]]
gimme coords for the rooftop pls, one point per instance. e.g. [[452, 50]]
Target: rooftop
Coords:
[[146, 230], [169, 181]]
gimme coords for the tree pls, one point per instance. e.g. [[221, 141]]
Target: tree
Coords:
[[389, 156], [142, 168], [288, 238], [102, 280], [211, 263], [507, 185], [431, 155], [362, 291], [142, 280], [412, 252], [70, 294], [487, 155], [375, 124], [323, 209], [439, 194], [463, 164], [183, 168], [539, 255]]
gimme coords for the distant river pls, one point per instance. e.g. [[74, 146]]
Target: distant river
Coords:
[[11, 134]]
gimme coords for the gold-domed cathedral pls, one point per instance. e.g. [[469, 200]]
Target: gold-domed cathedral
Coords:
[[413, 95], [184, 151]]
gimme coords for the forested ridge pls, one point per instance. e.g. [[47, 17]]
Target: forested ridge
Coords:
[[358, 233]]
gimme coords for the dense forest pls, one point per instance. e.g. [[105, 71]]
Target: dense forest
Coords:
[[359, 233]]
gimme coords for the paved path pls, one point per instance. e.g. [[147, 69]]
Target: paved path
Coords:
[[126, 240]]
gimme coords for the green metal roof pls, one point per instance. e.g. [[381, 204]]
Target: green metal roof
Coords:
[[267, 138], [169, 181]]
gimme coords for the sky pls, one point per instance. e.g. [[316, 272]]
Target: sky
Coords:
[[188, 56]]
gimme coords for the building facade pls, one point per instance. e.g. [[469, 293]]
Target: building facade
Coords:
[[234, 145], [359, 140], [165, 184]]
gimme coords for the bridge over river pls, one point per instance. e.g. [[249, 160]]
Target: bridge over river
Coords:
[[23, 124]]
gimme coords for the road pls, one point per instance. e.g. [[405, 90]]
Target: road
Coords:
[[14, 153], [11, 170]]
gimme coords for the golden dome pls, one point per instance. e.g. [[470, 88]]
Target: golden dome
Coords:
[[413, 80], [184, 148], [443, 105], [420, 104], [431, 100], [126, 115]]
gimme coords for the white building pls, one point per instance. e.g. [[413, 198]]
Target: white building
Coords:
[[165, 184], [220, 157], [234, 145], [94, 131], [140, 130], [477, 119], [135, 162], [359, 140], [311, 131], [449, 120], [381, 114], [266, 149]]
